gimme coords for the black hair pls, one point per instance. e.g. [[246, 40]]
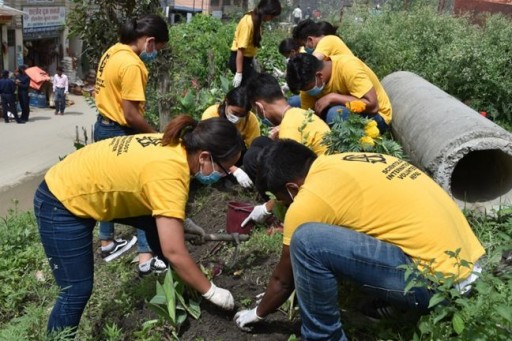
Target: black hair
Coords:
[[263, 86], [301, 70], [287, 45], [215, 135], [280, 163], [237, 97], [22, 68], [309, 28], [265, 7], [5, 74], [151, 25], [59, 68]]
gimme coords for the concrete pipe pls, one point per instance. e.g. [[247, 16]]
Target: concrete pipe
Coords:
[[464, 152]]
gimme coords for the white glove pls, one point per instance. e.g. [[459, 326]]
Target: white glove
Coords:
[[258, 214], [237, 80], [245, 317], [243, 179], [220, 297], [285, 88]]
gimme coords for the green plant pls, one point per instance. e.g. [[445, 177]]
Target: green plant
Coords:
[[351, 136], [174, 301], [112, 332]]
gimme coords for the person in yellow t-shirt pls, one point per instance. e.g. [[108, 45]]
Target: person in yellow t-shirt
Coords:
[[236, 109], [327, 86], [320, 39], [343, 224], [296, 124], [149, 191], [247, 40], [119, 93]]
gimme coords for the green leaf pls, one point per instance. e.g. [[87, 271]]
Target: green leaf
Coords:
[[505, 312], [458, 323], [169, 294], [435, 300]]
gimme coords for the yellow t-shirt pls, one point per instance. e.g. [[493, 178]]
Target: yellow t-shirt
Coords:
[[248, 127], [308, 130], [332, 45], [389, 199], [126, 176], [350, 76], [121, 76], [243, 36]]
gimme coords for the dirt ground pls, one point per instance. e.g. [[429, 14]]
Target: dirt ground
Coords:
[[245, 277]]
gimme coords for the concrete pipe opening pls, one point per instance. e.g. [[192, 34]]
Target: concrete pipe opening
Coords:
[[481, 176]]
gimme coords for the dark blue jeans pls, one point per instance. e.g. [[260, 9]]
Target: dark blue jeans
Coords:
[[322, 254], [60, 100], [105, 130], [67, 241]]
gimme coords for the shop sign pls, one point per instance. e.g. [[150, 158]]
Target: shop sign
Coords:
[[43, 18]]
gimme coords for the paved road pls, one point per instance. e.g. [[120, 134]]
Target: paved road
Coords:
[[28, 150]]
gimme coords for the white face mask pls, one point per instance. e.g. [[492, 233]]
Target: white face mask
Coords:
[[232, 118]]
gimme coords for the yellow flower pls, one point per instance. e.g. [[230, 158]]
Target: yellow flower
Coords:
[[366, 141], [372, 132], [371, 123], [356, 106]]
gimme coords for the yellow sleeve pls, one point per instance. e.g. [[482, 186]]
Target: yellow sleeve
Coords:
[[332, 45], [306, 208], [211, 111], [133, 84], [356, 79], [251, 129], [244, 34]]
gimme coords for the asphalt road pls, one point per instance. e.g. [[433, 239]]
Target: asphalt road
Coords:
[[28, 150]]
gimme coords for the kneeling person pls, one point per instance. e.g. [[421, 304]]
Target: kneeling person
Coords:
[[343, 224]]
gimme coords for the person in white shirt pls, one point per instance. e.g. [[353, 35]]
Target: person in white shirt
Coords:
[[60, 89], [297, 15]]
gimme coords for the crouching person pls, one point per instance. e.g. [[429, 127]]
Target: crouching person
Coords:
[[149, 191], [343, 224]]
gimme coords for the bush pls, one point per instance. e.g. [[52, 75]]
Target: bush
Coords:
[[469, 62]]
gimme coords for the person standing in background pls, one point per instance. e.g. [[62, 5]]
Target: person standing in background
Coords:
[[23, 83], [119, 92], [297, 15], [7, 93], [247, 40], [60, 89]]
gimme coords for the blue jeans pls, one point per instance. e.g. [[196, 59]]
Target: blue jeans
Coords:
[[60, 100], [294, 101], [340, 110], [105, 130], [67, 241], [323, 254]]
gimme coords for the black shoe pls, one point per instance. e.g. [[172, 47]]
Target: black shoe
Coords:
[[21, 122], [120, 247]]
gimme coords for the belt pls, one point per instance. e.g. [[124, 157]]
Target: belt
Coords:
[[106, 120]]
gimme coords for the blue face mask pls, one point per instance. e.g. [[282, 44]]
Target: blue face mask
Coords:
[[316, 90], [309, 50], [266, 122], [148, 57], [209, 179]]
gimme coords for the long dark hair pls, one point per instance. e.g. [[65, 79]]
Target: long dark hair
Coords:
[[265, 7], [151, 25], [216, 135]]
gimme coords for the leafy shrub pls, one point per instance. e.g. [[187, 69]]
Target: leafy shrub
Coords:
[[469, 62]]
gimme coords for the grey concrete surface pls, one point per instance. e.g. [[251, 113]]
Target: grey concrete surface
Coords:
[[28, 150], [467, 154]]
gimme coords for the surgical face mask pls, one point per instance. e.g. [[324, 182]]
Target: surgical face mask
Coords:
[[209, 179], [148, 57], [309, 50], [289, 193], [264, 120], [232, 118], [316, 90]]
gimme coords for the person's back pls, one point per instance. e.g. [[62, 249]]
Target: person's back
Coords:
[[305, 128]]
